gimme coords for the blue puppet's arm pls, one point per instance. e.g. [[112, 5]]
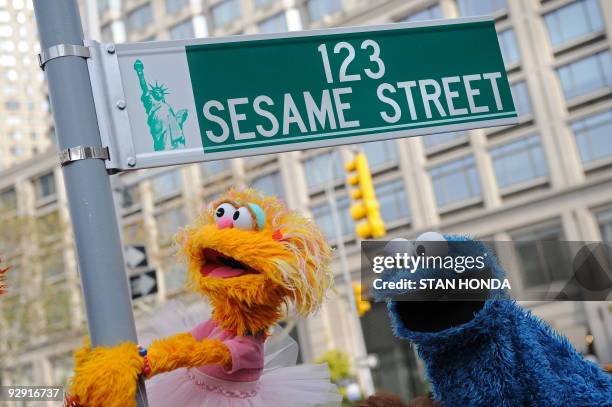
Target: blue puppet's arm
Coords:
[[494, 353]]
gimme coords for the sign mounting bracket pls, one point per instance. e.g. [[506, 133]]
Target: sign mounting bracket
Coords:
[[62, 50], [72, 154]]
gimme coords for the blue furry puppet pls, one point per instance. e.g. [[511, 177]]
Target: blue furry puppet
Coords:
[[490, 351]]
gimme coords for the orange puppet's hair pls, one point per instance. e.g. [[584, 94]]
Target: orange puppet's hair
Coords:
[[288, 249]]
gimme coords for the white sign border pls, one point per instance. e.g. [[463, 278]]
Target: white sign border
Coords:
[[115, 126]]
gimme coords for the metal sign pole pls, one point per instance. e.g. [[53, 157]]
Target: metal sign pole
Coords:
[[100, 255], [365, 374]]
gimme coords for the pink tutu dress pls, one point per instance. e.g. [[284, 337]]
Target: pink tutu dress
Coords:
[[263, 374]]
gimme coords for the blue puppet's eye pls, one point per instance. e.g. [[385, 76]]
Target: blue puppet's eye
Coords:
[[430, 244]]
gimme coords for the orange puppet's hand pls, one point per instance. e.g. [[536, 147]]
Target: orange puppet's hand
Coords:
[[184, 351], [106, 376]]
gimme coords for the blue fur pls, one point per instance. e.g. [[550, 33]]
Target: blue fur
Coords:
[[505, 356]]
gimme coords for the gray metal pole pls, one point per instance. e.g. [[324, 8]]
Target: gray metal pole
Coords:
[[365, 374], [100, 255]]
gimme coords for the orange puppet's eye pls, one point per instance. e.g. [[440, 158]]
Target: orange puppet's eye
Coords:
[[224, 215], [243, 219]]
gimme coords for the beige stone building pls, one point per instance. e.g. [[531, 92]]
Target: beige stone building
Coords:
[[549, 177], [25, 120]]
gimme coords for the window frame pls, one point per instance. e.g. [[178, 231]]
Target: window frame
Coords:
[[340, 198], [523, 184], [579, 98], [537, 231], [596, 163], [275, 173], [232, 19], [471, 200], [573, 41], [47, 199], [141, 27]]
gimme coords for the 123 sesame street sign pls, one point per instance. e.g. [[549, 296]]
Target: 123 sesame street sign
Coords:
[[215, 98]]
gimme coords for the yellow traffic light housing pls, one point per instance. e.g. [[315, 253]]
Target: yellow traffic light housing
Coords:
[[363, 306], [366, 207]]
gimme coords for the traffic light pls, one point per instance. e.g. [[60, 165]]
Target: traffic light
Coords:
[[363, 306], [366, 207]]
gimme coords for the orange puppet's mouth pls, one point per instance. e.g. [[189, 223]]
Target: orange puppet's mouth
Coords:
[[218, 265]]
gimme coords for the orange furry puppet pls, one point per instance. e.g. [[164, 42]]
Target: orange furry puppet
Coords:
[[251, 257]]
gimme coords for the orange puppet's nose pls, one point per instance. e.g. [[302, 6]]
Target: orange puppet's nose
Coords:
[[224, 223]]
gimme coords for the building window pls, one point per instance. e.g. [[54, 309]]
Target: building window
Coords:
[[455, 181], [167, 184], [316, 170], [174, 275], [8, 200], [321, 214], [103, 6], [586, 75], [17, 151], [509, 46], [430, 13], [173, 6], [318, 9], [434, 140], [214, 168], [140, 17], [182, 31], [519, 161], [12, 105], [57, 307], [393, 200], [276, 23], [270, 184], [541, 255], [48, 227], [168, 223], [480, 7], [134, 233], [106, 33], [605, 225], [130, 196], [53, 263], [380, 153], [8, 60], [21, 374], [225, 12], [6, 31], [44, 186], [593, 136], [62, 369], [522, 100], [262, 3], [573, 21]]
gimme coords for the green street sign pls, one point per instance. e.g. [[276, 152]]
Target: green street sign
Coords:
[[215, 98]]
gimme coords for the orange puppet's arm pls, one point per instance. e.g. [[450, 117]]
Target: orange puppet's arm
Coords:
[[183, 350], [107, 377]]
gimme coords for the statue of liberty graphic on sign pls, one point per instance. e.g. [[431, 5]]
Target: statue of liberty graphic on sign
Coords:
[[165, 125]]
